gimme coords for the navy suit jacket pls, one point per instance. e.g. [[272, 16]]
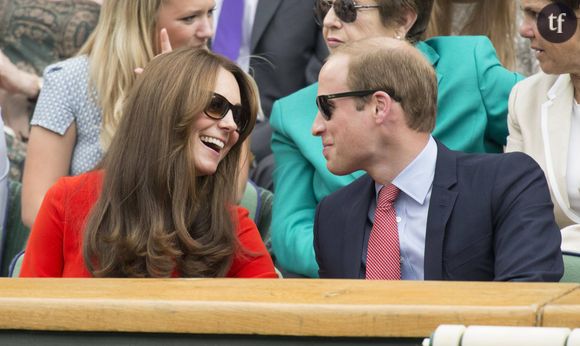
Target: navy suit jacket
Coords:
[[490, 218]]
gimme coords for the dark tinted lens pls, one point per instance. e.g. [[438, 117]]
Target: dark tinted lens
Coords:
[[320, 10], [323, 106], [345, 10], [218, 107], [239, 118]]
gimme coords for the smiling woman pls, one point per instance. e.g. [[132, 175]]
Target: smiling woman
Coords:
[[79, 107], [163, 203]]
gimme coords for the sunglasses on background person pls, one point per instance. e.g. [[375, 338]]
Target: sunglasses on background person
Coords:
[[345, 10], [326, 107], [219, 106]]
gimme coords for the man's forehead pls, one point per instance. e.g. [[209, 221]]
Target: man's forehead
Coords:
[[333, 75]]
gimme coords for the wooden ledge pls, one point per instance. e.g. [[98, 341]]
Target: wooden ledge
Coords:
[[563, 312], [350, 308]]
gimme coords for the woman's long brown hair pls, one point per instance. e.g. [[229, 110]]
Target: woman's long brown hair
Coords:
[[154, 216]]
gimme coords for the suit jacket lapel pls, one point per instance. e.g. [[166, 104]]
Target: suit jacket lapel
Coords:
[[264, 13], [353, 236], [556, 117], [440, 207]]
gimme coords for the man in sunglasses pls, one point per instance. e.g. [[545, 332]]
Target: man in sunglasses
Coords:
[[422, 211], [471, 112]]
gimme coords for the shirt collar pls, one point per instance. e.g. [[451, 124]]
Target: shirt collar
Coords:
[[416, 179], [429, 53]]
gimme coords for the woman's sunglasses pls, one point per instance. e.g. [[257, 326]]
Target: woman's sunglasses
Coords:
[[218, 108], [325, 107], [345, 9]]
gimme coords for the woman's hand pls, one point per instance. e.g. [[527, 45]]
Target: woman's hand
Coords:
[[165, 46], [164, 41]]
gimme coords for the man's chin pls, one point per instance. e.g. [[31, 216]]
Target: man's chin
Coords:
[[337, 170]]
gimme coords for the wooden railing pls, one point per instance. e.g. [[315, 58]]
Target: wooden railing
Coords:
[[325, 308], [562, 312]]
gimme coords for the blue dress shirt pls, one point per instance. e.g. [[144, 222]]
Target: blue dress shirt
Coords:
[[412, 207]]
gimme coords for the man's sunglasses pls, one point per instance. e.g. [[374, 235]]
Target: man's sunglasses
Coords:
[[325, 107], [345, 9], [218, 108]]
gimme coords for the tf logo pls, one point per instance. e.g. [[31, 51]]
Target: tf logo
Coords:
[[557, 22]]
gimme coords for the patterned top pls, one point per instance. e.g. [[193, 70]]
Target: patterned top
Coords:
[[36, 33], [65, 98]]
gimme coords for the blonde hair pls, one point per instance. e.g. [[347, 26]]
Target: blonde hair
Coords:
[[123, 40], [492, 18]]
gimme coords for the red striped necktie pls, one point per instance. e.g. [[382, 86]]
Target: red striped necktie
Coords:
[[383, 253]]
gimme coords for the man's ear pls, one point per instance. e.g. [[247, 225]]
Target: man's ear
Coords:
[[383, 104]]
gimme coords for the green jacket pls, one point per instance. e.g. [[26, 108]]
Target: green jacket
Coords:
[[473, 91]]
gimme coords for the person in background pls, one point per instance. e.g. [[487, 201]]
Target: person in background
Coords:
[[544, 118], [471, 113], [161, 203], [422, 211], [79, 107], [496, 19], [33, 35], [280, 45]]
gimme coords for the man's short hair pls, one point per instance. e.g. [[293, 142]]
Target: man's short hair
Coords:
[[388, 64]]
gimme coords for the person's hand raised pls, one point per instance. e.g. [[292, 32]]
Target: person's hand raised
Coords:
[[164, 41], [165, 46]]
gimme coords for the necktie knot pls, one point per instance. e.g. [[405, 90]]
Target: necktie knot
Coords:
[[387, 196]]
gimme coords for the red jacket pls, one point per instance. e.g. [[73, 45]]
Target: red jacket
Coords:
[[54, 248]]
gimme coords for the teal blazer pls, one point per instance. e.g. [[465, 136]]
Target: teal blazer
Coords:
[[473, 92]]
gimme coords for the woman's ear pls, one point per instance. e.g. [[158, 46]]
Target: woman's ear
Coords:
[[409, 19]]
